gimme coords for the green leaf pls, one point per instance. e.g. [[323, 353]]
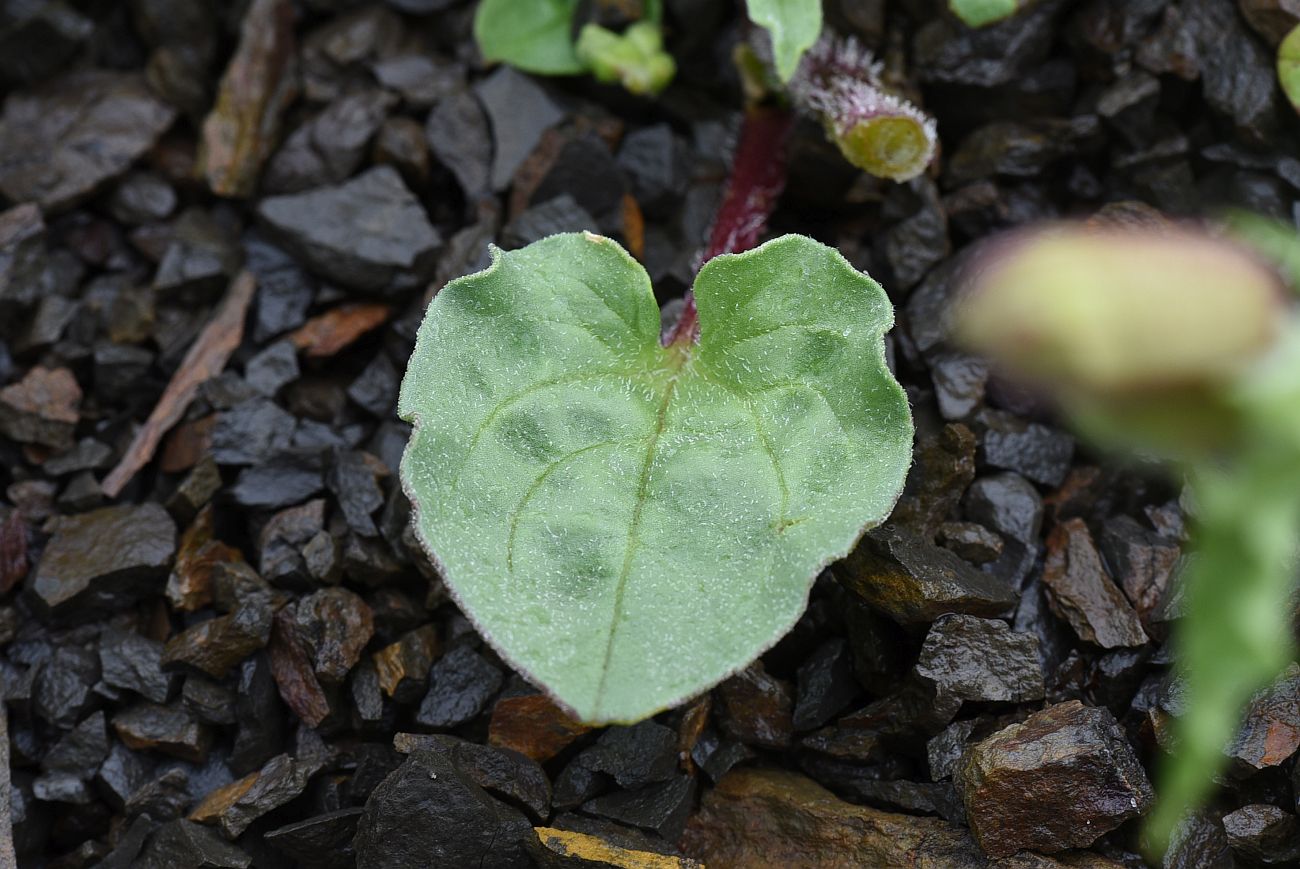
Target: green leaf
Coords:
[[1288, 67], [627, 523], [1236, 637], [794, 25], [536, 35], [978, 13]]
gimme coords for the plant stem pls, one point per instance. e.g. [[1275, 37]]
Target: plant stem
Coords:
[[757, 179]]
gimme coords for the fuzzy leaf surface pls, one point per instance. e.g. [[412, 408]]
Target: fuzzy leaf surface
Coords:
[[627, 523], [794, 25], [535, 36]]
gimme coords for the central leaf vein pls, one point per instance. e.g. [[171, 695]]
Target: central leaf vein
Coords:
[[633, 538]]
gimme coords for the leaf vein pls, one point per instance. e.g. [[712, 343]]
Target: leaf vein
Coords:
[[633, 533]]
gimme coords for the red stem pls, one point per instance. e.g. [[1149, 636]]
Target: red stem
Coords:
[[757, 179]]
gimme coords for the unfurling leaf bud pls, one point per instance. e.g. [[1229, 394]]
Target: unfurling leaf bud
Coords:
[[839, 82], [1107, 311], [636, 58]]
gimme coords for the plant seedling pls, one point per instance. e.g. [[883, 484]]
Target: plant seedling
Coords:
[[981, 13], [628, 522], [1178, 344]]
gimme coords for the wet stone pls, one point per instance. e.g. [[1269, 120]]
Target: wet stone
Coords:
[[62, 140], [756, 708], [981, 660], [295, 677], [284, 290], [88, 455], [780, 818], [142, 197], [557, 849], [532, 725], [163, 798], [251, 432], [1021, 150], [352, 480], [913, 581], [585, 169], [824, 685], [79, 752], [1059, 780], [421, 80], [208, 701], [1271, 19], [323, 841], [428, 812], [971, 541], [134, 662], [22, 254], [917, 240], [959, 382], [104, 560], [42, 408], [289, 477], [272, 368], [38, 39], [519, 111], [219, 644], [461, 684], [166, 729], [404, 666], [283, 538], [559, 214], [1033, 450], [1007, 503], [659, 808], [1270, 730], [185, 843], [329, 147], [320, 227], [401, 144], [944, 750], [656, 165], [282, 779], [1237, 72], [458, 136], [500, 771], [334, 624], [375, 389], [1264, 833], [259, 714], [1141, 560], [1081, 592]]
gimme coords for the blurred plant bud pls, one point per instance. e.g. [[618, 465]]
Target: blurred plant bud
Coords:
[[1104, 311], [1143, 333], [636, 58]]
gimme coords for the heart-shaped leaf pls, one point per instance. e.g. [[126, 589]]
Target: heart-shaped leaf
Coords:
[[628, 523]]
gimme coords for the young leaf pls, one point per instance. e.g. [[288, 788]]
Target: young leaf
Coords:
[[635, 58], [535, 36], [1288, 67], [978, 13], [794, 25], [628, 523]]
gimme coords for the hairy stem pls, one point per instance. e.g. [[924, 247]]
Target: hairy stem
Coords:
[[757, 179]]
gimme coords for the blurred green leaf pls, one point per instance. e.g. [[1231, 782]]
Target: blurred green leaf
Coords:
[[1288, 67], [794, 25], [533, 35], [1236, 636], [1274, 240], [978, 13]]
